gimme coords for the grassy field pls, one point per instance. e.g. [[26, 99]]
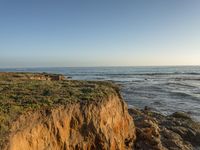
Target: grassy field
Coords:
[[19, 94]]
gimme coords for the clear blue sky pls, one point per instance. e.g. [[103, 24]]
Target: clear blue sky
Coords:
[[38, 33]]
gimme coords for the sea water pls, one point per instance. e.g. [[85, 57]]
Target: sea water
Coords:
[[164, 89]]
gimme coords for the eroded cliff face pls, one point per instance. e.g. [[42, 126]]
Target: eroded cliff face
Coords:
[[104, 125], [40, 114]]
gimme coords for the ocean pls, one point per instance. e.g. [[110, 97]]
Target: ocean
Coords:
[[163, 89]]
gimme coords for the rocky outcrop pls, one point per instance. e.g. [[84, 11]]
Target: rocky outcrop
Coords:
[[39, 114], [48, 77], [158, 132], [33, 76], [76, 126]]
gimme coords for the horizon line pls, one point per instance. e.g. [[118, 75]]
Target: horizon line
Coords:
[[32, 67]]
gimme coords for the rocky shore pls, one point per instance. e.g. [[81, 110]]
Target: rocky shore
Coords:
[[155, 131], [44, 111]]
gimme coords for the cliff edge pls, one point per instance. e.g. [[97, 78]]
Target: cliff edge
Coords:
[[62, 114]]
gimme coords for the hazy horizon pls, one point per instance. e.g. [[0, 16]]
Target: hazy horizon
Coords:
[[99, 33], [158, 66]]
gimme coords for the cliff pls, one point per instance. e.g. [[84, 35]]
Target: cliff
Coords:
[[62, 114], [43, 111]]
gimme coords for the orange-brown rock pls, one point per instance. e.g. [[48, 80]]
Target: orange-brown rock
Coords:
[[75, 126], [155, 131]]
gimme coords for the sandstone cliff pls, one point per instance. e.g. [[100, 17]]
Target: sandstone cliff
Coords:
[[63, 115]]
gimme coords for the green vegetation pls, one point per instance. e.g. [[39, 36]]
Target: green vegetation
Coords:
[[19, 94]]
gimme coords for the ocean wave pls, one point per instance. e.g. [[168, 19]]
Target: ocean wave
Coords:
[[178, 84], [184, 96], [132, 74]]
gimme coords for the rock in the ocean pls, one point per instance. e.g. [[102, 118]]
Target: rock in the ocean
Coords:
[[158, 132]]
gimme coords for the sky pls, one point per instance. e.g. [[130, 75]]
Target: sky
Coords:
[[77, 33]]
